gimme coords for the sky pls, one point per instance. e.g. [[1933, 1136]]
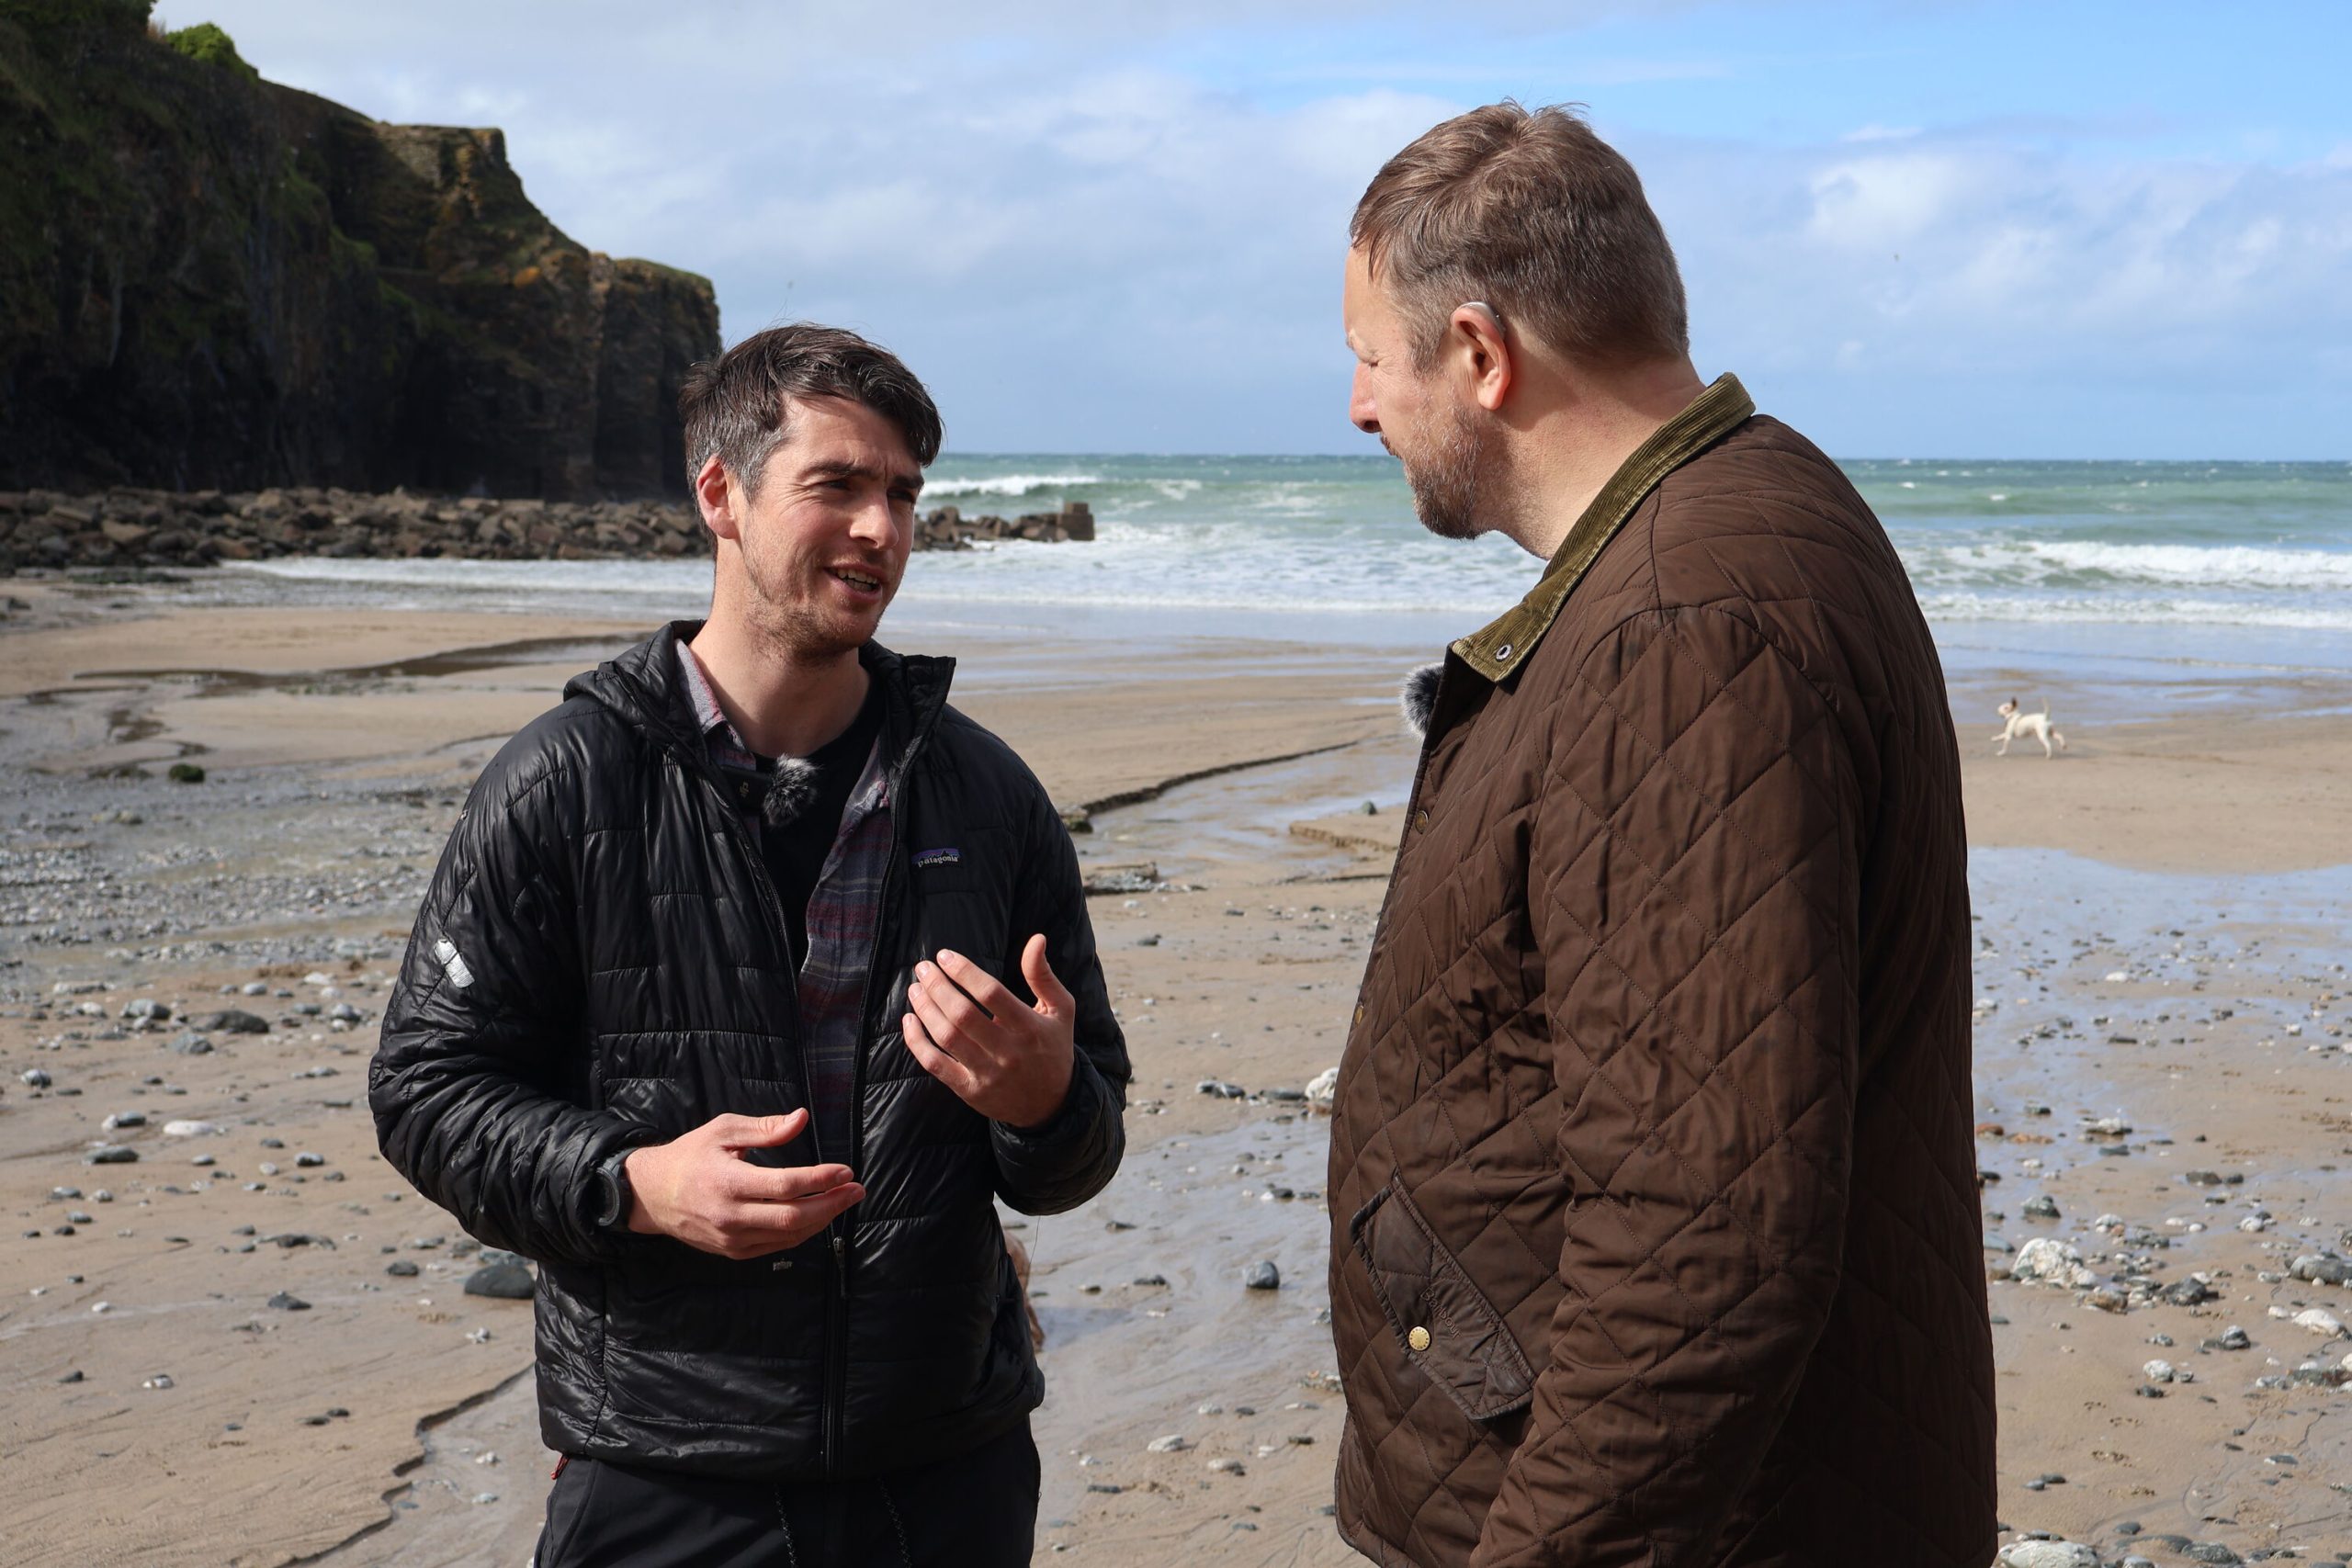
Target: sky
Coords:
[[1930, 228]]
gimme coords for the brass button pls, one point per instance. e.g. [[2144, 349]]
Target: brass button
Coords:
[[1422, 818], [1420, 1339], [1359, 1013]]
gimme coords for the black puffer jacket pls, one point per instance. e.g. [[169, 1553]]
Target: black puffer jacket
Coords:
[[601, 961]]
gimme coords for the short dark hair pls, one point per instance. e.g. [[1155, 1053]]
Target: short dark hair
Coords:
[[733, 405], [1532, 213]]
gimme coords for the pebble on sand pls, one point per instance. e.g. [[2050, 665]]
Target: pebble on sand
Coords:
[[2048, 1554], [508, 1282], [2319, 1320], [1262, 1276], [2052, 1262]]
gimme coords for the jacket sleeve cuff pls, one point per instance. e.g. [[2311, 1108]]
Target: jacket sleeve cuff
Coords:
[[1049, 1164], [587, 1194]]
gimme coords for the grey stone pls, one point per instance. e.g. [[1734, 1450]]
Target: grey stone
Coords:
[[507, 1282], [192, 1044], [33, 1077], [286, 1301], [400, 1269], [233, 1020], [2048, 1554], [2321, 1268], [1262, 1276], [111, 1154]]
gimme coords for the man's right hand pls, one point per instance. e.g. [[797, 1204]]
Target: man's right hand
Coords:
[[701, 1190]]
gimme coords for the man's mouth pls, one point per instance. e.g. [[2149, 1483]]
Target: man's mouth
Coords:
[[863, 581]]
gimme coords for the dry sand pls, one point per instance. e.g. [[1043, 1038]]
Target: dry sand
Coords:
[[340, 743]]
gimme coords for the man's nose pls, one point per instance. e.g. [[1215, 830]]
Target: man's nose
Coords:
[[1361, 413], [875, 523]]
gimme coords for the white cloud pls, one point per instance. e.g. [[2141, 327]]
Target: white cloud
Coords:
[[1085, 241]]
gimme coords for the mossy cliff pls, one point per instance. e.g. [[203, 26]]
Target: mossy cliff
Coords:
[[208, 280]]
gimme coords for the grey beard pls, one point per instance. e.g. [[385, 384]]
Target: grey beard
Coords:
[[1446, 488], [790, 793]]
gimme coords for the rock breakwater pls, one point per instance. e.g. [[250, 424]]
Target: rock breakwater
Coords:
[[134, 527]]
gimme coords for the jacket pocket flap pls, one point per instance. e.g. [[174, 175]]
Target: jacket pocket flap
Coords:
[[1446, 1324]]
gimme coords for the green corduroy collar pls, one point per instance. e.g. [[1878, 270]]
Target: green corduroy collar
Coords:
[[1502, 644]]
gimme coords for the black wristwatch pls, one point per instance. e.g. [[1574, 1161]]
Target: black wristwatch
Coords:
[[614, 1196]]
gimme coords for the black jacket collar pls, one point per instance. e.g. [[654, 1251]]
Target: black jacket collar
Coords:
[[642, 685]]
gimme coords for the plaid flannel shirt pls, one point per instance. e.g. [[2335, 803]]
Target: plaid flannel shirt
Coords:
[[843, 909]]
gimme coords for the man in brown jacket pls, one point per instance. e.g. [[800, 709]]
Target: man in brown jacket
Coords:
[[1656, 1236]]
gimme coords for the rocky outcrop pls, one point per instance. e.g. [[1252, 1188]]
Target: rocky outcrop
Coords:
[[211, 281], [946, 528], [126, 527]]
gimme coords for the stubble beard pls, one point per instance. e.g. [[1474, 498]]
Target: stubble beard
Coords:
[[796, 629], [1450, 486]]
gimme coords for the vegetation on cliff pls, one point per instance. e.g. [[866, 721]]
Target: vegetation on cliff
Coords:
[[210, 280]]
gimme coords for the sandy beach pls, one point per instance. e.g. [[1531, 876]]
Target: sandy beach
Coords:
[[250, 1344]]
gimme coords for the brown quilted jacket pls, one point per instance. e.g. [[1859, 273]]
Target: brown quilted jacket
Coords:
[[1656, 1238]]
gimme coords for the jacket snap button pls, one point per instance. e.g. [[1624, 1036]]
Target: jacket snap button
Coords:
[[1503, 652], [1420, 1339], [1422, 818], [1359, 1012]]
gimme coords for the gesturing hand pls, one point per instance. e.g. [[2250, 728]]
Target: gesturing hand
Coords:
[[700, 1189], [1006, 1059]]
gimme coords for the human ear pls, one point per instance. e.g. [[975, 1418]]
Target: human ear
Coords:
[[715, 496], [1476, 329]]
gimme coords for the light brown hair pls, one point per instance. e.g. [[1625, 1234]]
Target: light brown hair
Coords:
[[1532, 213], [734, 405]]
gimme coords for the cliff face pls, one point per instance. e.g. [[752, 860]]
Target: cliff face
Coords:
[[211, 281]]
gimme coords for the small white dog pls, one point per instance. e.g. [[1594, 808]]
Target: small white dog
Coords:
[[2017, 722]]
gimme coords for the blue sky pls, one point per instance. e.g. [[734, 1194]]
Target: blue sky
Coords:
[[1932, 228]]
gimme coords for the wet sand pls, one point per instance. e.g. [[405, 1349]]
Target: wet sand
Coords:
[[339, 745]]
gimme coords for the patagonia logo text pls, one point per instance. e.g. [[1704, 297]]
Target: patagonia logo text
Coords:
[[938, 857]]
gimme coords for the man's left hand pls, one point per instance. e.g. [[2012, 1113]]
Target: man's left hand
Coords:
[[1006, 1059]]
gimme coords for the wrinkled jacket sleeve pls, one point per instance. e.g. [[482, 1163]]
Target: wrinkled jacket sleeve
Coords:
[[469, 1084], [1696, 886], [1057, 1166]]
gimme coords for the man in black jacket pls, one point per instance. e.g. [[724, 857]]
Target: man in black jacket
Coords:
[[751, 976]]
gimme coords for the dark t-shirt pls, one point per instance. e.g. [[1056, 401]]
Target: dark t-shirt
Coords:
[[795, 850]]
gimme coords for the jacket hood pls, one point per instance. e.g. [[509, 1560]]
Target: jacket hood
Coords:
[[642, 685]]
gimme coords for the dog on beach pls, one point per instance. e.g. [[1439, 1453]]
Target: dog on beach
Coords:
[[2017, 722]]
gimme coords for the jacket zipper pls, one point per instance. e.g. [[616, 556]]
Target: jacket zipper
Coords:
[[779, 937], [837, 1303], [837, 1346]]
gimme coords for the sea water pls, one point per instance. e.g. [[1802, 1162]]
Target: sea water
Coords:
[[2016, 564]]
